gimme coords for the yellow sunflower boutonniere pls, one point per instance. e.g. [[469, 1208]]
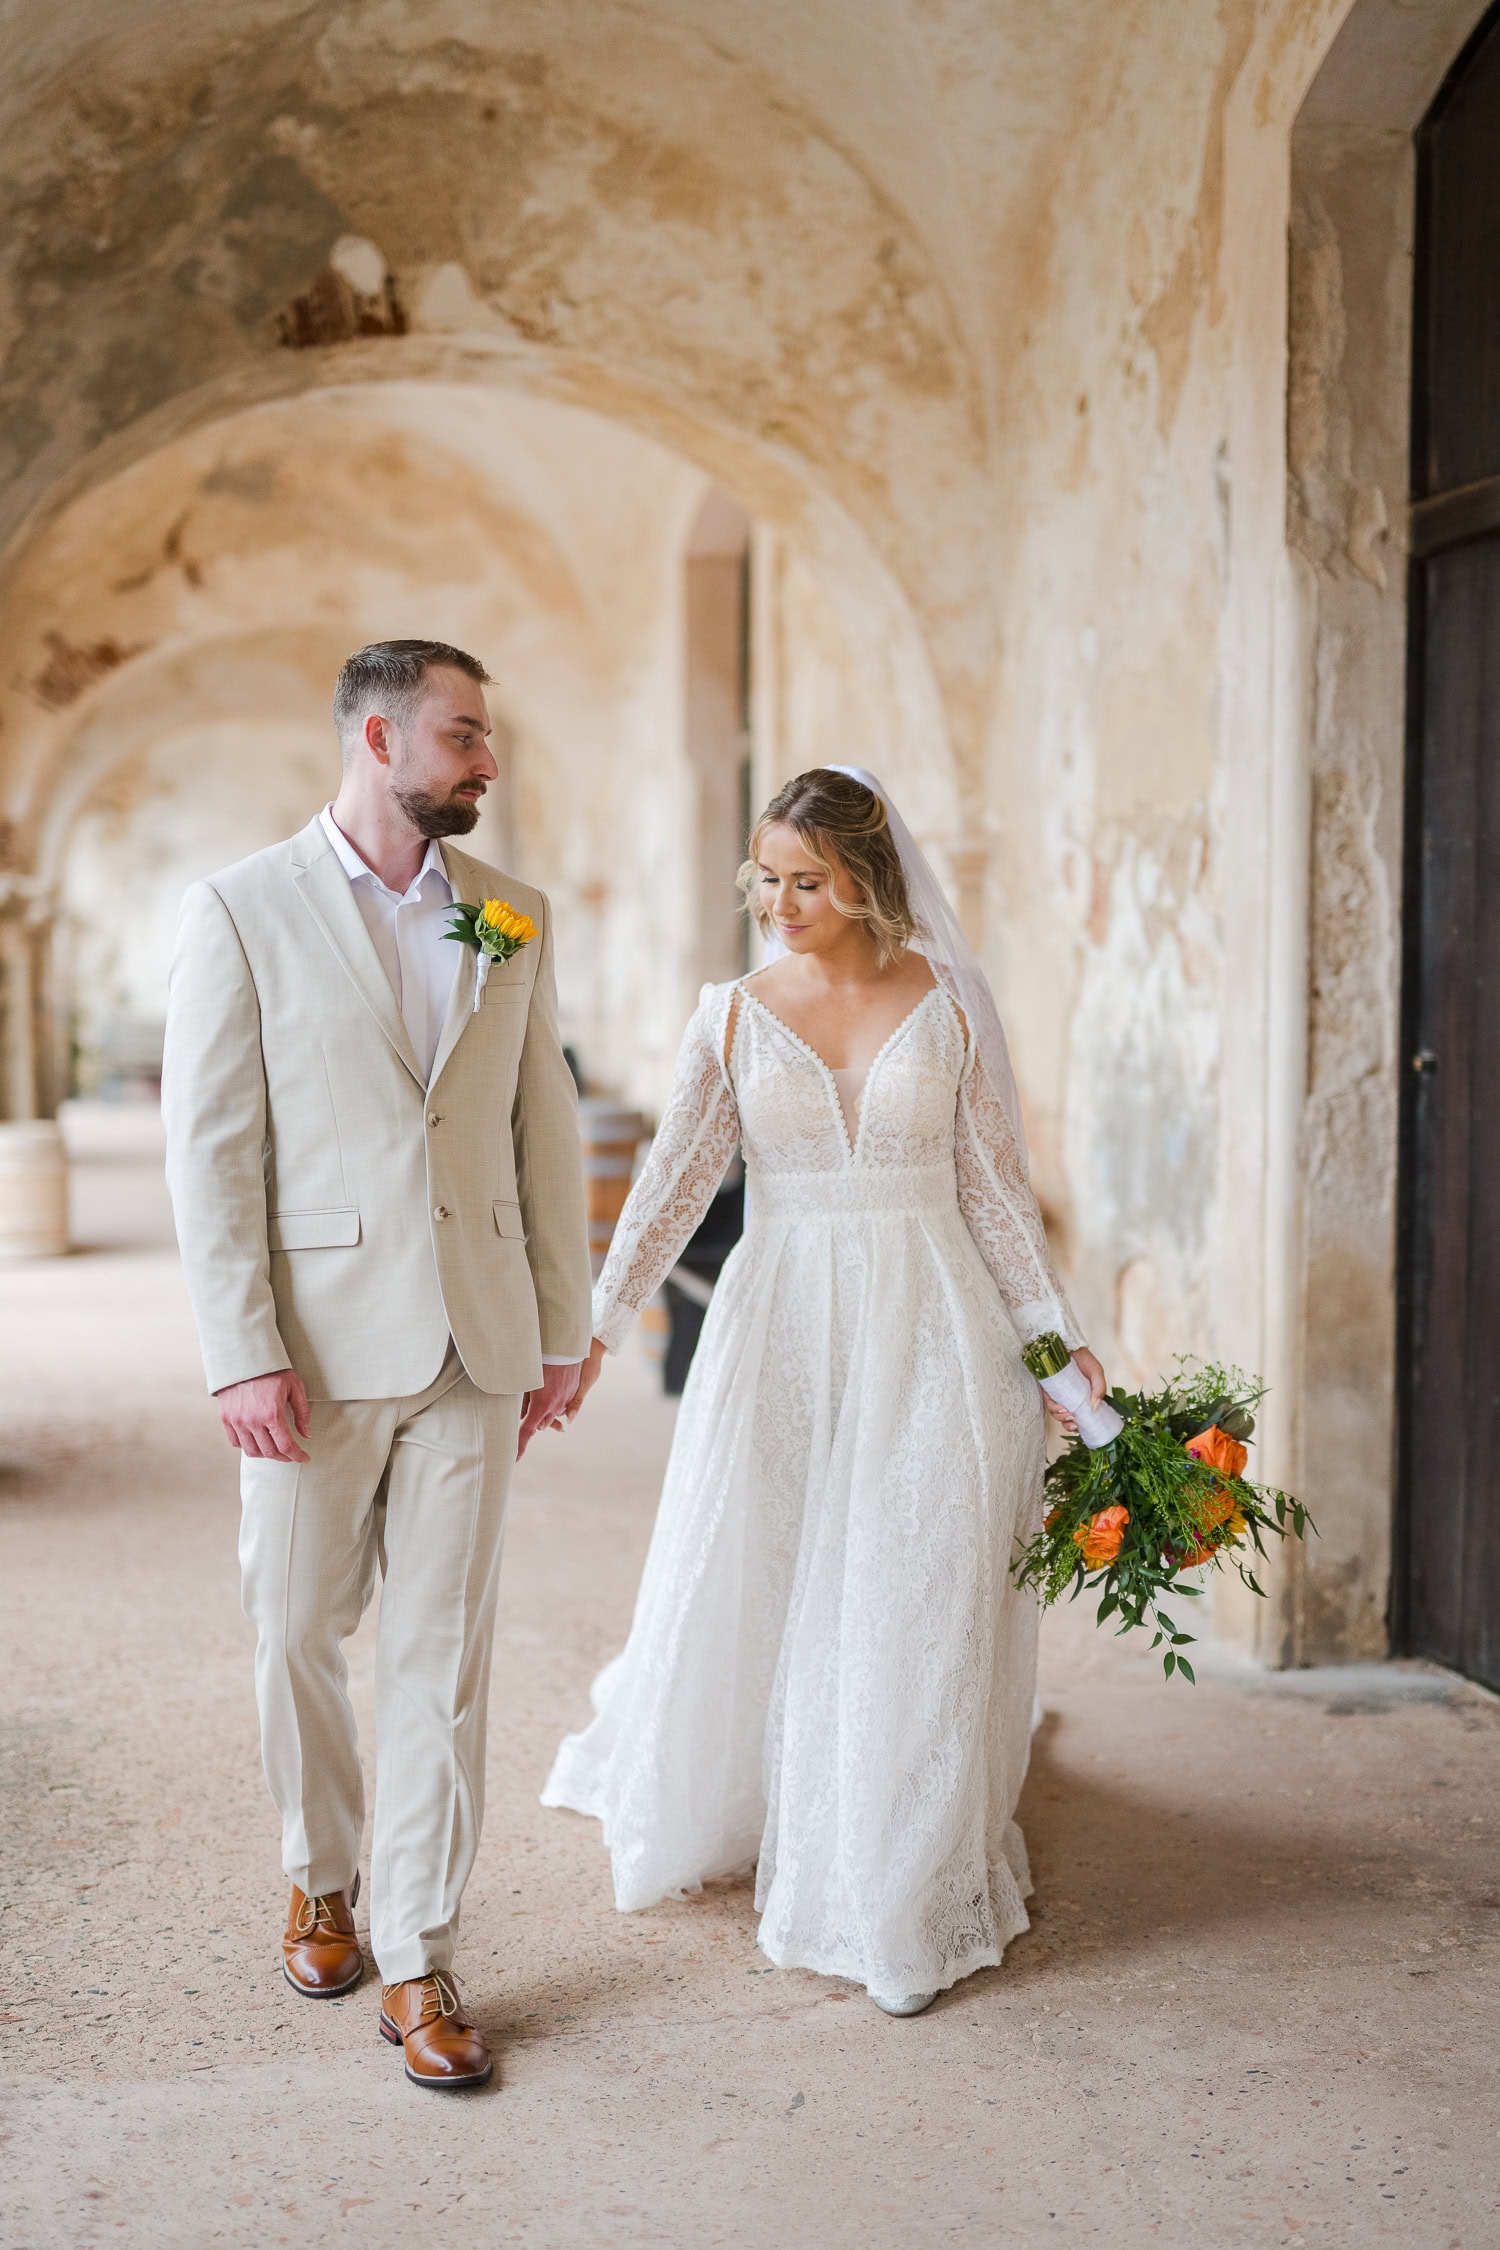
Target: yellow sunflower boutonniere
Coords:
[[496, 933]]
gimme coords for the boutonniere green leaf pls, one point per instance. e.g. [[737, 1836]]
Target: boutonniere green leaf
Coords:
[[496, 933]]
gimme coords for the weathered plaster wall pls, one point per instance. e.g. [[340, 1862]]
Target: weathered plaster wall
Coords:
[[1219, 1134], [1130, 735], [1348, 438], [1351, 255]]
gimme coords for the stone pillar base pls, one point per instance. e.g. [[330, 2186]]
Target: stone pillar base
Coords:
[[33, 1191]]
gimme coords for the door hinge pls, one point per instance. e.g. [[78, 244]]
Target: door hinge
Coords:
[[1424, 1060]]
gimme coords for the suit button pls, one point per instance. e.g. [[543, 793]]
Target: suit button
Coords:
[[440, 1210], [433, 1117]]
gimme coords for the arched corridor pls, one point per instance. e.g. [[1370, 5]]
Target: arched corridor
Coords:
[[1016, 399], [225, 576]]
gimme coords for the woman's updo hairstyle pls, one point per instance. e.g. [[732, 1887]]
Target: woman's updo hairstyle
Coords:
[[843, 827]]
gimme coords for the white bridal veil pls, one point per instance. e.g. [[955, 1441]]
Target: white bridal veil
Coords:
[[953, 960]]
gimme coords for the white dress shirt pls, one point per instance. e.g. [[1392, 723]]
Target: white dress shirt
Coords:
[[408, 930]]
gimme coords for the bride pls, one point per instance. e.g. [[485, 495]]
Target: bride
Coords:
[[830, 1673]]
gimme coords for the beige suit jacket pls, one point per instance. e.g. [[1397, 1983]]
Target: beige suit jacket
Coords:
[[337, 1216]]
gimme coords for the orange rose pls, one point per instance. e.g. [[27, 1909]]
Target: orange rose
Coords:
[[1102, 1538], [1216, 1508], [1218, 1450], [1049, 1521], [1219, 1510]]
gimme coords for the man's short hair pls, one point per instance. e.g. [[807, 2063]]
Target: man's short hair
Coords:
[[387, 677]]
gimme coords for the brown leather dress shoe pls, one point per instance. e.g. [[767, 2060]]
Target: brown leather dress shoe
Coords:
[[319, 1948], [443, 2050]]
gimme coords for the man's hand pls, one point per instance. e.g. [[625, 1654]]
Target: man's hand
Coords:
[[254, 1415], [545, 1408], [588, 1376], [1085, 1362]]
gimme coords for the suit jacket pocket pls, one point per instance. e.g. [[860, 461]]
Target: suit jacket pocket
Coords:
[[508, 1221], [507, 980], [336, 1229]]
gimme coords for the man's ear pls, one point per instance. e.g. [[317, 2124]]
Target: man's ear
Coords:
[[378, 737]]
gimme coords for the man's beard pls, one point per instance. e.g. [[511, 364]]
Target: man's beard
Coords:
[[437, 816]]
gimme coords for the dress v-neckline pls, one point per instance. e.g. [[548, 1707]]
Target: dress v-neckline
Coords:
[[851, 1140]]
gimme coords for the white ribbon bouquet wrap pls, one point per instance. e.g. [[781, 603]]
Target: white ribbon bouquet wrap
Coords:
[[1063, 1380]]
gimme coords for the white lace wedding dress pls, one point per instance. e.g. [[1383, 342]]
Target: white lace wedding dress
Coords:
[[830, 1673]]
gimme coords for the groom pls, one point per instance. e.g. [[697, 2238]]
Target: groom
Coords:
[[375, 1167]]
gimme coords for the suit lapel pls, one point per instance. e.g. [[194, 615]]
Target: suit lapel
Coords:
[[326, 892], [467, 891]]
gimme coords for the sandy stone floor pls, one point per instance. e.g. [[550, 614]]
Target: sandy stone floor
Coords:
[[1260, 2003]]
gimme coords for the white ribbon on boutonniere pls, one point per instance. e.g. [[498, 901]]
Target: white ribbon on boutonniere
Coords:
[[496, 932]]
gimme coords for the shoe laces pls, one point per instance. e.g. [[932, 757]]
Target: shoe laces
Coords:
[[316, 1914], [439, 1998]]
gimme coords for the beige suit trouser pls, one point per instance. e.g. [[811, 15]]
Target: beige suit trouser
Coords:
[[417, 1488]]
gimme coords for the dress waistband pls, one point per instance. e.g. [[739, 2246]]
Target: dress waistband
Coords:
[[860, 1192]]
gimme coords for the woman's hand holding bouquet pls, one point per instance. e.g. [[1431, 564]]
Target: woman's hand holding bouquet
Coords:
[[1153, 1485], [1073, 1386]]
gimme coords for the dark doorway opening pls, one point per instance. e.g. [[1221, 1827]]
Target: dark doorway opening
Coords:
[[1447, 1586]]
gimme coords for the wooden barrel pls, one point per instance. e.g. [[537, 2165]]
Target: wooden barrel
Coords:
[[33, 1191], [611, 1136]]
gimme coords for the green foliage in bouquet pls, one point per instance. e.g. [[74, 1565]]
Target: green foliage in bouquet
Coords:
[[1166, 1496]]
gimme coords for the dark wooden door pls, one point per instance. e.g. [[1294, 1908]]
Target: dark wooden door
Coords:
[[1448, 1580]]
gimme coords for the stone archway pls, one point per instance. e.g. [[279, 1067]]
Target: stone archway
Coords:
[[623, 210], [226, 572], [733, 244]]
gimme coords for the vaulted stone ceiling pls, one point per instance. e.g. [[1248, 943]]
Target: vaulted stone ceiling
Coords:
[[438, 118], [791, 240]]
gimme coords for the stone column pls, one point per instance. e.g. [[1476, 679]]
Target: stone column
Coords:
[[18, 1071], [33, 1165]]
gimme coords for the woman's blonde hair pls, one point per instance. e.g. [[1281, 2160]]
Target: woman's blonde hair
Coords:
[[843, 827]]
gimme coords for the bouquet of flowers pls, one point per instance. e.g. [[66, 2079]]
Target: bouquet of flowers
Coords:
[[1161, 1494]]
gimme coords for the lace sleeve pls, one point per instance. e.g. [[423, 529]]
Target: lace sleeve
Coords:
[[1000, 1211], [698, 1134]]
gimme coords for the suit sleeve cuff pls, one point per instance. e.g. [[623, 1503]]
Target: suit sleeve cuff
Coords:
[[227, 1364]]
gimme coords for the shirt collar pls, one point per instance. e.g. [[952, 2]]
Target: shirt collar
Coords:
[[355, 867]]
